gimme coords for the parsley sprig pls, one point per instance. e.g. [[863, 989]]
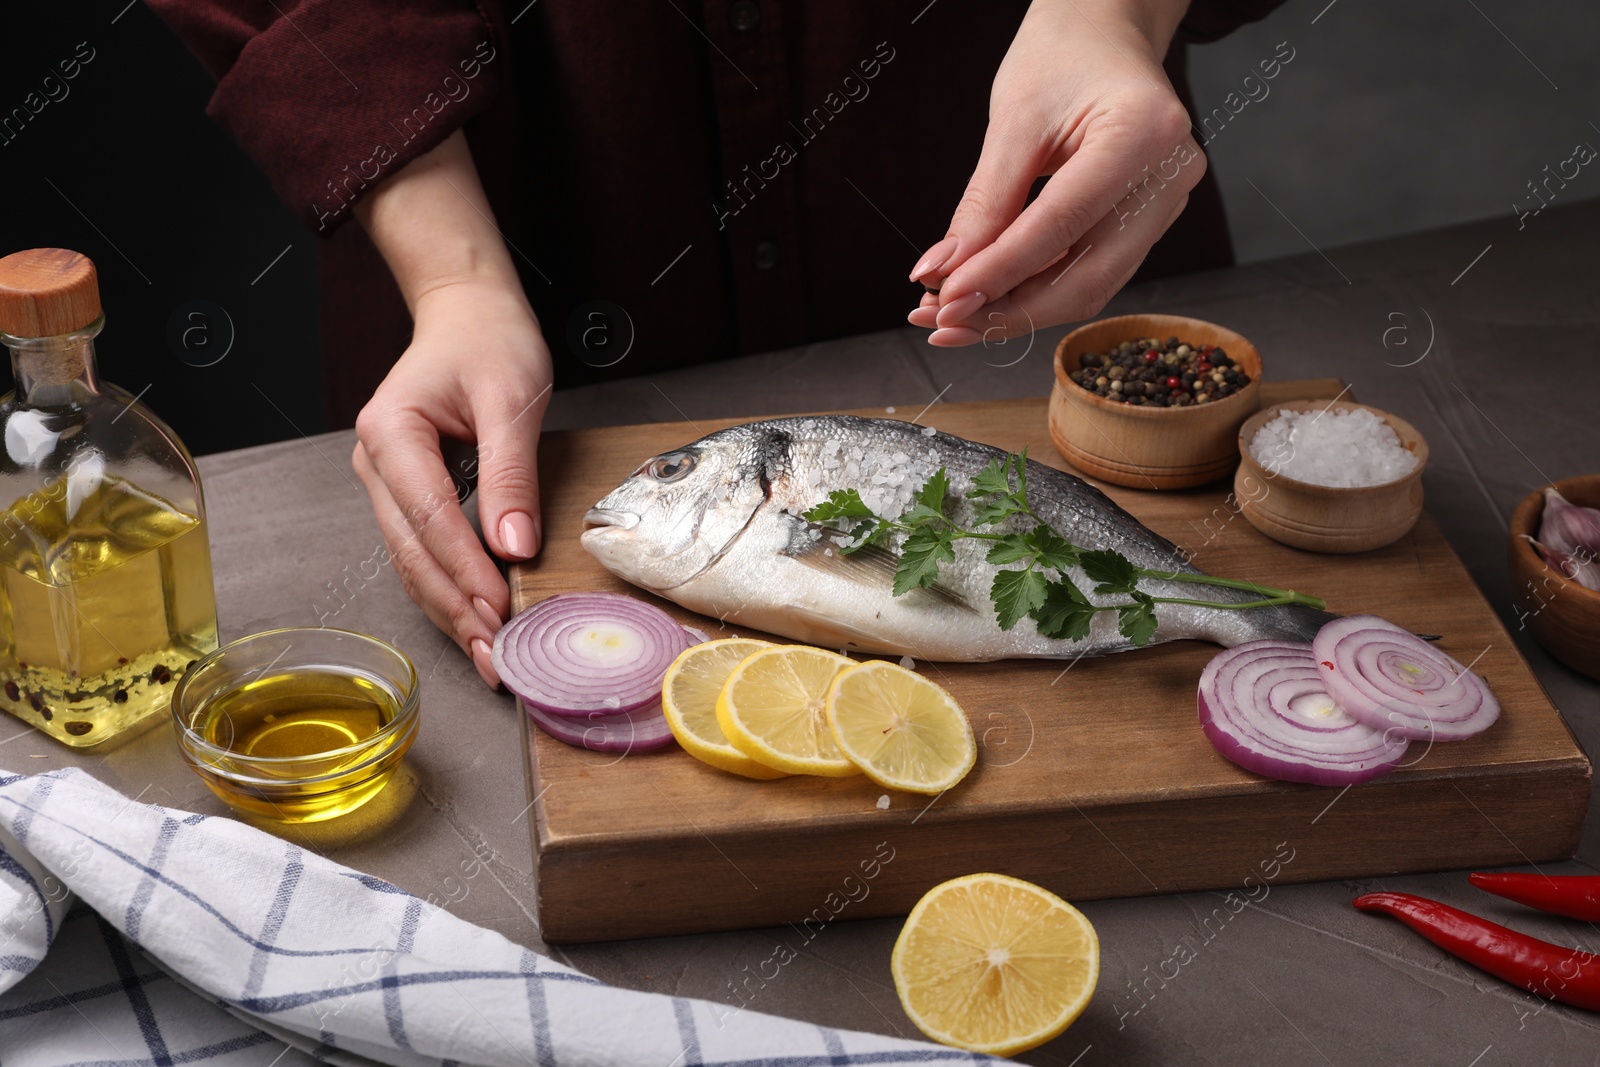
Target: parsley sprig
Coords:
[[1041, 589]]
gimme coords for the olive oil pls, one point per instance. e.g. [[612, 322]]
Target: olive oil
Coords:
[[105, 572], [105, 599], [300, 744]]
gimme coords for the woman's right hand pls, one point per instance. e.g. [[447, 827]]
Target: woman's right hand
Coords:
[[477, 370]]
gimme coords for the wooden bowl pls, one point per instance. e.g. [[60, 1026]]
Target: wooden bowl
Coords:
[[1325, 518], [1150, 447], [1562, 614]]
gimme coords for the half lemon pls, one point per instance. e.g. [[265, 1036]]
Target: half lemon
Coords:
[[993, 964]]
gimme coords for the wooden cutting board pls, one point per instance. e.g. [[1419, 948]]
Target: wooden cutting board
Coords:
[[1093, 779]]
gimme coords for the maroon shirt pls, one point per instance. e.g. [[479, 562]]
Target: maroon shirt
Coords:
[[686, 180]]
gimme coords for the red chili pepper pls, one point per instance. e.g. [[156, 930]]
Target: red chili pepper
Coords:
[[1577, 896], [1569, 975]]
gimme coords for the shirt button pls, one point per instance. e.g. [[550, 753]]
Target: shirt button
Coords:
[[744, 15], [766, 255]]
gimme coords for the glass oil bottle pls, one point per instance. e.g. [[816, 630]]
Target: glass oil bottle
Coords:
[[106, 593]]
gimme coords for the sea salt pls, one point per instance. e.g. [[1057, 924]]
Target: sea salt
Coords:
[[888, 410], [1342, 449], [883, 801], [908, 663], [928, 431]]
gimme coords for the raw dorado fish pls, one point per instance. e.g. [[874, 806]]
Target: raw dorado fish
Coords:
[[717, 526]]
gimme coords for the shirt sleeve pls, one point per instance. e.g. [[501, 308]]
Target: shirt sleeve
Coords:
[[329, 97], [1210, 20]]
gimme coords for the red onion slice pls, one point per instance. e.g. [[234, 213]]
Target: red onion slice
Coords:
[[639, 730], [1264, 707], [1392, 679], [580, 653]]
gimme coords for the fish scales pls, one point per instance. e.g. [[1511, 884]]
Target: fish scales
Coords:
[[718, 526]]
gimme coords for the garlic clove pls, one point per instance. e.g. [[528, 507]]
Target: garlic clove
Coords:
[[1578, 566], [1569, 528]]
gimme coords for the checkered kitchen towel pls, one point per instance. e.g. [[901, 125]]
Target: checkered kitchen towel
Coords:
[[199, 940]]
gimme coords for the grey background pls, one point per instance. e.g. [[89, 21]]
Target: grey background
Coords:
[[1398, 117], [1391, 118]]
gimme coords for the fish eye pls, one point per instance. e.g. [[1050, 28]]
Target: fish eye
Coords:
[[671, 467]]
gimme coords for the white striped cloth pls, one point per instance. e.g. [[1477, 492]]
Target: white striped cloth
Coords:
[[139, 936]]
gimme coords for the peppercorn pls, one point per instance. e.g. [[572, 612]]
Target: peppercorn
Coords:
[[121, 697], [12, 692], [78, 727], [1163, 372], [160, 674]]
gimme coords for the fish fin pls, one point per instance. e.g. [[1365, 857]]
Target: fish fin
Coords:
[[828, 632], [871, 565], [1304, 622]]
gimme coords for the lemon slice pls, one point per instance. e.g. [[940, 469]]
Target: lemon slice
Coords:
[[773, 709], [689, 699], [994, 964], [902, 730]]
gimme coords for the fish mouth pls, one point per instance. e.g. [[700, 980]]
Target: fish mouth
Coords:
[[622, 520]]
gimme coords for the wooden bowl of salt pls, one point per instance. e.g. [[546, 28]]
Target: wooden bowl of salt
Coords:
[[1330, 486]]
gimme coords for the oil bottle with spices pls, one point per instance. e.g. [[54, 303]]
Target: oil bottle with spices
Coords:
[[106, 594]]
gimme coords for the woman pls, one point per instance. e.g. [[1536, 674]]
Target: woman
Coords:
[[720, 177]]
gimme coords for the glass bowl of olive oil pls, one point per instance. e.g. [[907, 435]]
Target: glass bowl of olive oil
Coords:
[[298, 725]]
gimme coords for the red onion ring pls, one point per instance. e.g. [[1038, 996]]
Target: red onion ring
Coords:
[[583, 653], [1263, 705], [1392, 679], [639, 730]]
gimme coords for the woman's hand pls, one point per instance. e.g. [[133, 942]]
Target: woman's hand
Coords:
[[477, 370], [1081, 97]]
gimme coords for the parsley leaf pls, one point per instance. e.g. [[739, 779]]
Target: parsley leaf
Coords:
[[841, 504], [1011, 549], [1065, 614], [992, 479], [1112, 570], [920, 557], [996, 512], [1137, 621], [1019, 463], [865, 533], [1015, 594], [1051, 549], [933, 492]]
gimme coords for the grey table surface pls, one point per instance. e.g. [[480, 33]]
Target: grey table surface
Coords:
[[1481, 335]]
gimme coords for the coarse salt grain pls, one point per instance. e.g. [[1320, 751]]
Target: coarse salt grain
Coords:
[[1336, 448]]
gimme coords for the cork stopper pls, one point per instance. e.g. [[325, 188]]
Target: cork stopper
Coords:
[[45, 292]]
